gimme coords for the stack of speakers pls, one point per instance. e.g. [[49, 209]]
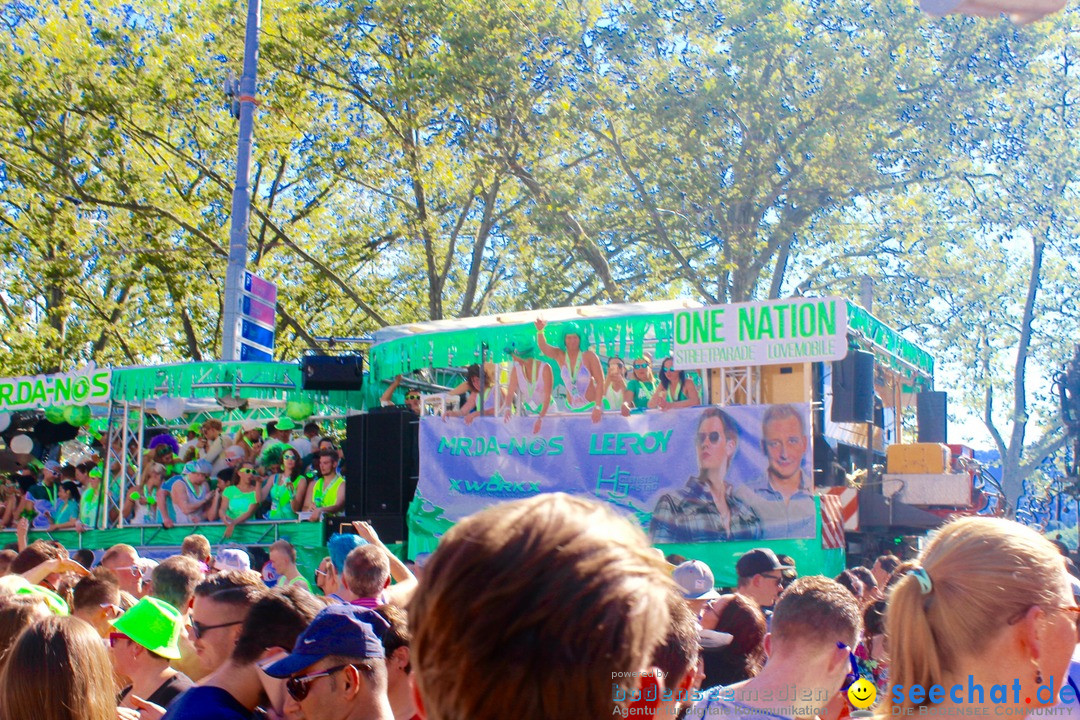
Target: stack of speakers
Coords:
[[382, 463], [853, 398]]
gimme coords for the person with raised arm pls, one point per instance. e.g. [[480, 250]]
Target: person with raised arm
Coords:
[[580, 373]]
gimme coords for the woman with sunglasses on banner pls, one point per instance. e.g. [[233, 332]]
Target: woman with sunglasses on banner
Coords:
[[239, 502], [281, 487], [989, 604], [581, 379], [706, 508], [676, 390]]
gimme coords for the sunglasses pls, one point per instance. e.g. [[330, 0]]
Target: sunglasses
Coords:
[[852, 677], [198, 629], [668, 369], [290, 457], [412, 396], [116, 637], [299, 687], [1071, 609], [245, 471], [640, 366], [713, 437]]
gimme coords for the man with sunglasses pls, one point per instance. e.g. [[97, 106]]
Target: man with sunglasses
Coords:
[[123, 560], [96, 599], [142, 642], [337, 670], [815, 624], [241, 685], [412, 396], [221, 603], [707, 508], [760, 575]]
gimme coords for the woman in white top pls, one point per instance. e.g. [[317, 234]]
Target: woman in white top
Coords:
[[616, 395], [530, 383], [190, 494], [580, 374], [475, 406]]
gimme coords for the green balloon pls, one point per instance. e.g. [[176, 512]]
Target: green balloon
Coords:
[[299, 410], [77, 415], [54, 415]]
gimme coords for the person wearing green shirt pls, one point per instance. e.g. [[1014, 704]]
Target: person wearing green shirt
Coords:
[[66, 512], [283, 557], [325, 494], [240, 501], [642, 384], [90, 502], [281, 487]]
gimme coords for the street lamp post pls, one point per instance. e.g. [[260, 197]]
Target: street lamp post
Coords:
[[244, 108]]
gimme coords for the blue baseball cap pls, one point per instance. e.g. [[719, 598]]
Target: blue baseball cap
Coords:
[[345, 630]]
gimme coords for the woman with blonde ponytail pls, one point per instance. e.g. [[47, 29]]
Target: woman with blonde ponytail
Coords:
[[985, 623]]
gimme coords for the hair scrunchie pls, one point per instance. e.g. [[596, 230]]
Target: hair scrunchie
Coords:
[[925, 584]]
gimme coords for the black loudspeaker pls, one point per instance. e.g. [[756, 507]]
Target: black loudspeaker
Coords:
[[382, 462], [932, 409], [853, 388], [332, 372], [48, 433]]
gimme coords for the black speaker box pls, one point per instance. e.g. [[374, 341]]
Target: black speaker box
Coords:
[[932, 407], [48, 433], [382, 461], [332, 372], [853, 388]]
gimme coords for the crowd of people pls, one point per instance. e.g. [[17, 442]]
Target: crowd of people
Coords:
[[547, 608], [258, 472]]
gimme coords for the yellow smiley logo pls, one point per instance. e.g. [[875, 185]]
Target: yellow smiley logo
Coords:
[[862, 693]]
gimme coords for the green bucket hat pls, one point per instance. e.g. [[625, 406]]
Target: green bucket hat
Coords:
[[195, 427], [286, 423], [154, 624], [95, 471], [56, 604], [524, 348]]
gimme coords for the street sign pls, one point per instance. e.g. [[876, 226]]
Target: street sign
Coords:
[[249, 353], [257, 287], [256, 334], [258, 308]]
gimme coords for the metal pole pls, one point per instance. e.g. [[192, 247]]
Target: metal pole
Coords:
[[241, 205], [123, 467]]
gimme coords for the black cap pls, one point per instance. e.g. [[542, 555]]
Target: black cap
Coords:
[[757, 561]]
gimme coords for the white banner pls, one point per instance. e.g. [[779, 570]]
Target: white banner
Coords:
[[85, 386], [774, 332]]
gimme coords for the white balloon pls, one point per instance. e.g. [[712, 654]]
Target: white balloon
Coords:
[[170, 408], [5, 421], [21, 445]]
